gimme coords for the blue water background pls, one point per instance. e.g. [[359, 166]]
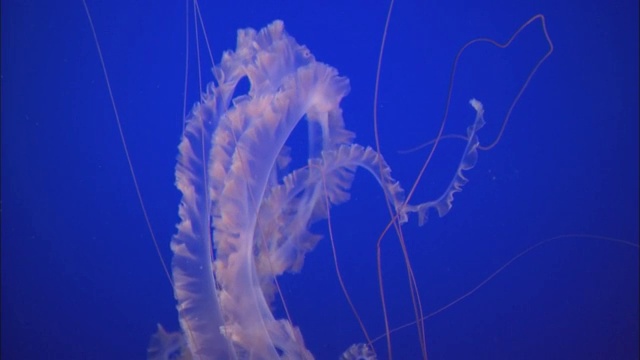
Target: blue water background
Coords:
[[81, 278]]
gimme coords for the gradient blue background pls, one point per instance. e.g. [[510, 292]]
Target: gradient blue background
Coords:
[[81, 278]]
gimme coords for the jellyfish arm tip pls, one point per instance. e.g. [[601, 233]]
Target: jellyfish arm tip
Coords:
[[477, 105]]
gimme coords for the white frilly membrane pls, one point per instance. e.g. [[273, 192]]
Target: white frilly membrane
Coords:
[[244, 219]]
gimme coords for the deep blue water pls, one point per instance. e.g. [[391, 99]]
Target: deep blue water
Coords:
[[81, 278]]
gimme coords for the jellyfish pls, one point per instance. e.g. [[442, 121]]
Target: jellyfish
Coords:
[[245, 219]]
